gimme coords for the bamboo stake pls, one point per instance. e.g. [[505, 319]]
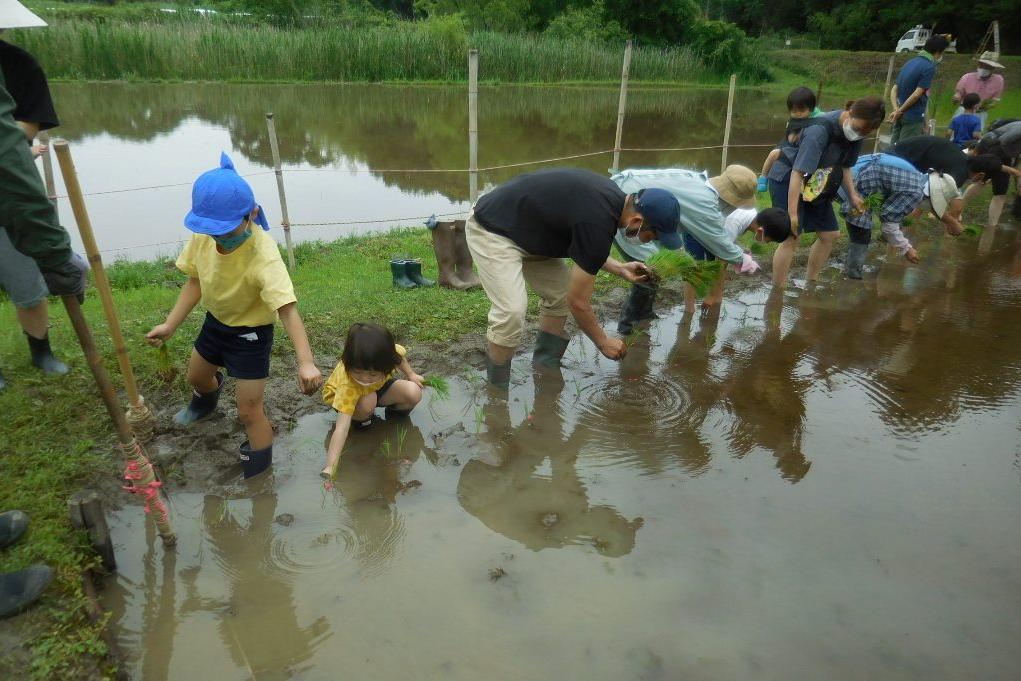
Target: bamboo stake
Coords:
[[473, 125], [139, 470], [621, 107], [138, 415], [51, 187], [886, 94], [730, 118], [286, 221]]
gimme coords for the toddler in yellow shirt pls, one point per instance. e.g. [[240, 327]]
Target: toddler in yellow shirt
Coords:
[[365, 379], [234, 268]]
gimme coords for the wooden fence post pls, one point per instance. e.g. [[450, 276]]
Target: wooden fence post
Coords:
[[285, 219], [473, 125], [730, 118], [621, 107]]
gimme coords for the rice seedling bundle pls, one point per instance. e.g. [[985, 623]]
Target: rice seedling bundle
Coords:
[[701, 274]]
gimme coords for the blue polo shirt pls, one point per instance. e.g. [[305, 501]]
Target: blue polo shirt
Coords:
[[917, 73]]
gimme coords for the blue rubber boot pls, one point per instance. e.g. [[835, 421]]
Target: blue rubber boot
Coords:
[[201, 405], [255, 461]]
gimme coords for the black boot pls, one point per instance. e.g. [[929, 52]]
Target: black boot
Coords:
[[12, 525], [201, 405], [20, 589], [856, 260], [42, 356], [549, 350], [399, 271], [498, 374], [414, 270], [255, 461], [394, 413], [637, 308]]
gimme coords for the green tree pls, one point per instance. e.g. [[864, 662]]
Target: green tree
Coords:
[[655, 22]]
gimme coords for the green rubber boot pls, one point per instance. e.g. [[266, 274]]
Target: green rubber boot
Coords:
[[498, 374], [414, 270], [549, 350], [399, 270]]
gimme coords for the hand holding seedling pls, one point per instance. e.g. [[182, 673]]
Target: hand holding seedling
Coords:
[[613, 348], [159, 334], [309, 377], [634, 272], [417, 379]]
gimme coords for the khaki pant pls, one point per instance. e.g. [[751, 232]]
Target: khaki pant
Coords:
[[504, 268]]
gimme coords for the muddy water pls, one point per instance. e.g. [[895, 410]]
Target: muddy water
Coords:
[[345, 137], [818, 484]]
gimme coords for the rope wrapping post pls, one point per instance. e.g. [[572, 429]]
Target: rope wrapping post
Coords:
[[730, 118], [129, 445], [286, 221], [621, 107], [473, 125], [141, 416]]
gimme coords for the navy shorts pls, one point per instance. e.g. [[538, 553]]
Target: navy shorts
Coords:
[[695, 248], [386, 386], [242, 350], [812, 217]]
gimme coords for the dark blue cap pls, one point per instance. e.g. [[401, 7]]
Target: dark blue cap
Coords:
[[220, 200], [661, 212]]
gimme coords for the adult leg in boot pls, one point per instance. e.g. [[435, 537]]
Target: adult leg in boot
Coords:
[[207, 383], [12, 526], [414, 270], [20, 589], [446, 256], [35, 321], [399, 272], [637, 308], [856, 260], [549, 350], [465, 263]]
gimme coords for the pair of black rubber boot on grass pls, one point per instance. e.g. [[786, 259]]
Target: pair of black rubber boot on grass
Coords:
[[42, 359], [22, 588], [407, 273], [253, 461]]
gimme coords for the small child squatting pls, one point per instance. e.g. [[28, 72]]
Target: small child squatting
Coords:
[[365, 378]]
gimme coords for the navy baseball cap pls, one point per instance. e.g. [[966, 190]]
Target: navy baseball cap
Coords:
[[220, 200], [661, 212]]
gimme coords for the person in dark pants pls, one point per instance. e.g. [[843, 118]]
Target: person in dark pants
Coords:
[[20, 277], [910, 95]]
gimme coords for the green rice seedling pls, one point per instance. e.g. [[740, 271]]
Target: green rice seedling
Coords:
[[874, 202], [402, 436], [386, 449], [480, 416], [440, 385], [165, 368], [701, 274], [972, 230], [635, 334]]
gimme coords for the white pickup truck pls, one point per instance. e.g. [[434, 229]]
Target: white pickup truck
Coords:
[[915, 39]]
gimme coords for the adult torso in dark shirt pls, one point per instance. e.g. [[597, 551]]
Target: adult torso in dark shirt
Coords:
[[557, 213], [26, 83], [821, 144], [926, 153]]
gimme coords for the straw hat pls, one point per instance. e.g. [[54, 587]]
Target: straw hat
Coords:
[[736, 185], [987, 58], [15, 15]]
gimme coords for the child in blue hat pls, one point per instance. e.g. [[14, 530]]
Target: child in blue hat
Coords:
[[236, 271]]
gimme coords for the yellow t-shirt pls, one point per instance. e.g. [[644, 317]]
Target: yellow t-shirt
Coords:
[[245, 287], [342, 392]]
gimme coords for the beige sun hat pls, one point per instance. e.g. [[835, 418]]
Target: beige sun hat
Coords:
[[989, 59], [736, 185], [942, 190], [15, 15]]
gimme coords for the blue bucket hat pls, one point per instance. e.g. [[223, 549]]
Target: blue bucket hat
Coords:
[[662, 212], [220, 200]]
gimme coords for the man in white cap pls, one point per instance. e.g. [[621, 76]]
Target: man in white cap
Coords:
[[983, 81], [904, 190]]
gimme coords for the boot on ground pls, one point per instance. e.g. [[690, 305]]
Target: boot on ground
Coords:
[[446, 256], [42, 356], [19, 590], [201, 405], [399, 272], [255, 461], [856, 253], [465, 263], [414, 270], [549, 350], [12, 526]]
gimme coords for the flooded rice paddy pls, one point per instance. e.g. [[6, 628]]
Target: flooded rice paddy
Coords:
[[820, 484]]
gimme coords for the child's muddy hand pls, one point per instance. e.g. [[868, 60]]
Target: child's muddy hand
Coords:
[[417, 379], [912, 256], [309, 378], [159, 334]]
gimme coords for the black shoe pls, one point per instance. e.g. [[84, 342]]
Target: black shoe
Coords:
[[20, 589], [399, 271], [42, 356], [12, 525], [255, 461], [392, 413], [637, 308], [414, 271], [363, 425], [201, 405]]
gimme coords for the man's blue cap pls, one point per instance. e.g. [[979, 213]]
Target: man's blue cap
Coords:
[[220, 200], [661, 212]]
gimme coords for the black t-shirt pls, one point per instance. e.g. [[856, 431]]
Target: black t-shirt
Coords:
[[557, 213], [27, 86], [926, 152]]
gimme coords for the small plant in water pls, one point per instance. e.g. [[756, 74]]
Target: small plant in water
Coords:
[[701, 274], [480, 416], [635, 334], [440, 385]]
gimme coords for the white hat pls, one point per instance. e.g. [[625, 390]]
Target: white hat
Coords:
[[15, 15], [942, 189], [989, 59]]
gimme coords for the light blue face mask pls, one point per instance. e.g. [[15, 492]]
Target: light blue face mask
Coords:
[[229, 243]]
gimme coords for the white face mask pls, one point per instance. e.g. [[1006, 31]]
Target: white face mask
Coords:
[[634, 240], [984, 73], [850, 133]]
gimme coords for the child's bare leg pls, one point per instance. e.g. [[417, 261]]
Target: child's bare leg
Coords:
[[202, 377], [689, 298], [252, 413], [201, 374], [366, 405], [402, 395], [715, 296]]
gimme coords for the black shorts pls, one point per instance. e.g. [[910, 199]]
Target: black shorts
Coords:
[[386, 386], [812, 217], [242, 350], [1001, 180]]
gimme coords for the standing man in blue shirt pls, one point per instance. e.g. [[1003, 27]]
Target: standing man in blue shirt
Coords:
[[910, 95]]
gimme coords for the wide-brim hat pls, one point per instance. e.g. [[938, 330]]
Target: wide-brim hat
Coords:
[[942, 190], [736, 185], [221, 200], [15, 15], [989, 59]]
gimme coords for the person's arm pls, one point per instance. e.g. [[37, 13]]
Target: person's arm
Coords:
[[410, 373], [908, 103], [959, 90], [893, 96], [336, 445], [988, 104], [187, 299], [794, 198], [895, 237], [579, 300], [857, 203], [30, 129], [633, 272], [767, 165], [309, 376]]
